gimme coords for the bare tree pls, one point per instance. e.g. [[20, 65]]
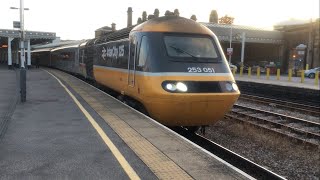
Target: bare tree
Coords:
[[226, 20]]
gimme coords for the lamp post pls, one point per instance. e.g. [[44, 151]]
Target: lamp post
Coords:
[[230, 41], [23, 72]]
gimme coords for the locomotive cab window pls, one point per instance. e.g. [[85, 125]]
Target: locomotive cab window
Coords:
[[144, 51], [191, 47], [133, 52]]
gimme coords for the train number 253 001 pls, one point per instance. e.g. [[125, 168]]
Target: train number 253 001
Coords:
[[200, 70]]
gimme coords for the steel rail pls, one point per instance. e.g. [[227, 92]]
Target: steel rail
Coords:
[[227, 155], [278, 121], [298, 107]]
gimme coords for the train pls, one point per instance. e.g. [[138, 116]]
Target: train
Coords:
[[173, 67]]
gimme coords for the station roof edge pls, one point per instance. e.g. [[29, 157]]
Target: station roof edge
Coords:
[[29, 34]]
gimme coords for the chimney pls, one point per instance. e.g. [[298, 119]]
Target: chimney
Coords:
[[144, 16], [139, 20], [213, 18], [150, 16], [129, 23], [113, 27], [176, 12], [193, 17], [169, 13], [156, 13]]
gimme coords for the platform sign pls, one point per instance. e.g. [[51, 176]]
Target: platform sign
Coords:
[[16, 24], [229, 51]]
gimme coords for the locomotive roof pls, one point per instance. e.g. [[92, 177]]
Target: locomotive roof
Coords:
[[172, 24], [65, 47], [161, 24]]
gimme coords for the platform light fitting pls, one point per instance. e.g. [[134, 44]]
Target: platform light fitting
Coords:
[[26, 9]]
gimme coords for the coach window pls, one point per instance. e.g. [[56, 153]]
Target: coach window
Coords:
[[82, 56], [67, 55], [144, 51]]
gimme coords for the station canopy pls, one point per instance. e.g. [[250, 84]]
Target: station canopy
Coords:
[[252, 34], [36, 37]]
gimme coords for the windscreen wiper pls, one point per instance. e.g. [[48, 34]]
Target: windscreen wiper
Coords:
[[183, 51]]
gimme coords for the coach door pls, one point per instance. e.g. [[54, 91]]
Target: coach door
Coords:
[[132, 61]]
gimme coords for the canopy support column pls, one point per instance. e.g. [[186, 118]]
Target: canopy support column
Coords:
[[242, 49], [9, 53], [29, 55]]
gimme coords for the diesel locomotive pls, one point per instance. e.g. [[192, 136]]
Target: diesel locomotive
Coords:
[[174, 67]]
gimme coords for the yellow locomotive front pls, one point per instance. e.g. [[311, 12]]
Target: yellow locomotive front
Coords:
[[179, 72]]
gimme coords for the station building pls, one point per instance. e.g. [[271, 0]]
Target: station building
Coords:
[[288, 46], [301, 43]]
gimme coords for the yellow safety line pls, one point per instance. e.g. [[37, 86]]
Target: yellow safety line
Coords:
[[123, 162]]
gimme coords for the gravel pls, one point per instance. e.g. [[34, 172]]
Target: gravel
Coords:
[[289, 159]]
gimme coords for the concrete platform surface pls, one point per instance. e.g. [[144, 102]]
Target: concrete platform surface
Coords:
[[8, 96], [49, 137]]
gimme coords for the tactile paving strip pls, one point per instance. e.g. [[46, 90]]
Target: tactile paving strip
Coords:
[[162, 166]]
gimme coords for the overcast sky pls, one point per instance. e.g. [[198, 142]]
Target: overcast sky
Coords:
[[77, 19]]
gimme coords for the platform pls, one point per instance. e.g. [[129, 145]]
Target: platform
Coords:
[[69, 129], [283, 81], [8, 95]]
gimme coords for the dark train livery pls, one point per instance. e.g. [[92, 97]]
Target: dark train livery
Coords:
[[173, 66]]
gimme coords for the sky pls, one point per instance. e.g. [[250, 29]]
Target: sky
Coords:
[[78, 19]]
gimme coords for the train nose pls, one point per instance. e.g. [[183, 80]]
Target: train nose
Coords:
[[194, 110]]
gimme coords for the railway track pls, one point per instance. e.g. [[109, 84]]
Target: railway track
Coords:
[[301, 130], [236, 160], [286, 93], [291, 106]]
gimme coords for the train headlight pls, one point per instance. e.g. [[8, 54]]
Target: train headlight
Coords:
[[235, 87], [229, 86], [182, 87], [171, 87]]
